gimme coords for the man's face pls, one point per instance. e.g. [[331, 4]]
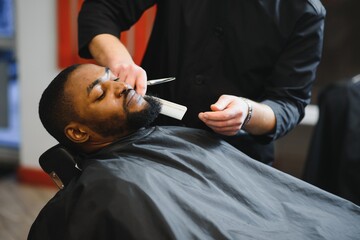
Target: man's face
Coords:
[[105, 104]]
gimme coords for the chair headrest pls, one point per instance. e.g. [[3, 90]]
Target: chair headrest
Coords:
[[60, 164]]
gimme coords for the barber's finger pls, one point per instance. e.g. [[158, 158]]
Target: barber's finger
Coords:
[[222, 103], [138, 81], [133, 75], [220, 123], [141, 85], [217, 115], [122, 71], [227, 130], [128, 75]]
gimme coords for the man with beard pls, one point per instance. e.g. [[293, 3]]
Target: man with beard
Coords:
[[93, 112], [140, 182]]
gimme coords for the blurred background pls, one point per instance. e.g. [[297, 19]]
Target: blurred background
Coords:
[[38, 38]]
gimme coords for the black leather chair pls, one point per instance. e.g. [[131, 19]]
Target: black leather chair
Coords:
[[60, 164]]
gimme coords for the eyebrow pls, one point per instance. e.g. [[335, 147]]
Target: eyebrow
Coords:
[[97, 81]]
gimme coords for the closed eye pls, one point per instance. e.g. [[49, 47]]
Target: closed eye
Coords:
[[102, 96]]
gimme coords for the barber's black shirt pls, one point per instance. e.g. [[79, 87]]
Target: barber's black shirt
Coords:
[[267, 51]]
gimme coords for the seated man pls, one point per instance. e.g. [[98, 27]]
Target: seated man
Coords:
[[141, 182]]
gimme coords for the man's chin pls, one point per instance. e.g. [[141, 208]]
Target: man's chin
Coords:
[[146, 116]]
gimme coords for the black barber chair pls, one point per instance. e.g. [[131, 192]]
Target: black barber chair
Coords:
[[60, 165]]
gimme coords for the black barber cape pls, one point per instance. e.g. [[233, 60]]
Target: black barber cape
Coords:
[[181, 183]]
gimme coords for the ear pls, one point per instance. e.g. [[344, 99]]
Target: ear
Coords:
[[77, 132]]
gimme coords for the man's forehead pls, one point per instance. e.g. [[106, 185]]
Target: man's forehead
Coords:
[[86, 74]]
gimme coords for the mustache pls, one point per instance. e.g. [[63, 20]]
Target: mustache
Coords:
[[125, 94]]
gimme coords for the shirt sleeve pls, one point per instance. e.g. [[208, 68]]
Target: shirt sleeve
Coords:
[[289, 91], [107, 16]]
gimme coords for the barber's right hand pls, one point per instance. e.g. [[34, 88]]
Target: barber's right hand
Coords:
[[108, 51], [132, 74]]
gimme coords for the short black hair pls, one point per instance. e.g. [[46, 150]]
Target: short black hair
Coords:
[[56, 110]]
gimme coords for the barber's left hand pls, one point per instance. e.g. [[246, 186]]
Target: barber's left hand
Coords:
[[227, 116]]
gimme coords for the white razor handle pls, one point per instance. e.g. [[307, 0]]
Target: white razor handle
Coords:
[[171, 109]]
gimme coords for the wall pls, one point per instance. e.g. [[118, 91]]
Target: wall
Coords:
[[36, 54]]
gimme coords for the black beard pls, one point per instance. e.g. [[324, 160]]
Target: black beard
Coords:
[[136, 120], [146, 116]]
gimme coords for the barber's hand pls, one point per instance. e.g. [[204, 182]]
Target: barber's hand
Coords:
[[227, 116], [108, 51], [132, 74]]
